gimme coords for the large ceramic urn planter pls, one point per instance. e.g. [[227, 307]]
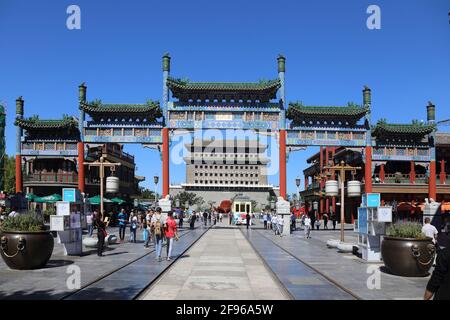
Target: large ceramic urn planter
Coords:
[[26, 250], [408, 257]]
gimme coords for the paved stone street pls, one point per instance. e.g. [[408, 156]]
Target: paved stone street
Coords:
[[50, 282], [345, 269], [221, 265]]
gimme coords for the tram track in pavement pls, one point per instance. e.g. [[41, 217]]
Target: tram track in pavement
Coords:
[[269, 269], [310, 267], [91, 284]]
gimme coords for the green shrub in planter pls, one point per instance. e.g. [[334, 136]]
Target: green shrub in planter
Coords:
[[410, 230], [25, 243], [406, 251], [27, 223]]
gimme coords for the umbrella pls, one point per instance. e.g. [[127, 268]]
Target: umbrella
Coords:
[[48, 199], [31, 197], [118, 201], [96, 200]]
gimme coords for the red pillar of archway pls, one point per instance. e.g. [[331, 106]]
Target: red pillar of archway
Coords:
[[432, 180], [18, 173], [165, 161], [81, 175], [368, 170], [282, 163]]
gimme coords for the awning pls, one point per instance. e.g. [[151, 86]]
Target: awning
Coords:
[[118, 201], [48, 199], [96, 200]]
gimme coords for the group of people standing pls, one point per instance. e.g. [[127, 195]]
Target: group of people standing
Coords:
[[273, 222], [154, 226]]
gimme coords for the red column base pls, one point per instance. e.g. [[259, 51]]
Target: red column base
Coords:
[[165, 162], [18, 173], [283, 164]]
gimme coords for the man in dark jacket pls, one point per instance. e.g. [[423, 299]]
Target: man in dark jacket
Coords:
[[439, 283]]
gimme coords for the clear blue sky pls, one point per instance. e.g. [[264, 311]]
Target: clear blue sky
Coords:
[[330, 54]]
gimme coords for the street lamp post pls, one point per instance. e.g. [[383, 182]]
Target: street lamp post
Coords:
[[101, 165], [297, 183], [342, 168]]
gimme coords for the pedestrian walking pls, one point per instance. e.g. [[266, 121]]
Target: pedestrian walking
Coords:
[[293, 218], [205, 217], [247, 218], [280, 224], [333, 220], [170, 230], [122, 217], [439, 283], [133, 226], [147, 228], [312, 216], [275, 224], [220, 216], [429, 230], [90, 223], [265, 220], [307, 228], [101, 233], [317, 223], [193, 219], [230, 218], [269, 221], [180, 218], [158, 225], [325, 221]]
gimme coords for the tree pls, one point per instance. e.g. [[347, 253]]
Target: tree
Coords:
[[190, 197], [10, 175], [149, 194]]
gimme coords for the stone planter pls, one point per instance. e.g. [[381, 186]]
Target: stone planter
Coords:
[[26, 250], [408, 257]]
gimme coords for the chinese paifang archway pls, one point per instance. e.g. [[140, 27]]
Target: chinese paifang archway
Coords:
[[243, 105]]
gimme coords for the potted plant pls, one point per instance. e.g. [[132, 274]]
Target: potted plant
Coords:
[[25, 243], [406, 251]]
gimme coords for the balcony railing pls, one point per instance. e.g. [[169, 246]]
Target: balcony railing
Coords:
[[400, 178], [121, 155], [314, 185], [52, 177]]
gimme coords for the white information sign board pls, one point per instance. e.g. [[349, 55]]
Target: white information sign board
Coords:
[[384, 214], [56, 223], [63, 208]]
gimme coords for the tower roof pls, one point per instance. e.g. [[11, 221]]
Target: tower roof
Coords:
[[150, 109], [35, 123], [351, 113], [384, 129], [262, 90]]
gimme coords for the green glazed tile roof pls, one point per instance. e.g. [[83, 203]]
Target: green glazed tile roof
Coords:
[[383, 128], [232, 86], [98, 109], [35, 123], [351, 113], [268, 87]]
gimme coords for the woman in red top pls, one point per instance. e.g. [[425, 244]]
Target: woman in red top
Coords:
[[170, 231]]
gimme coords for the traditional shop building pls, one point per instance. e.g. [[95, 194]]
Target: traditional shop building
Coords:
[[403, 170], [49, 157]]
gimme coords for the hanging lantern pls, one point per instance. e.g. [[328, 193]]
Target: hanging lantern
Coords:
[[331, 188], [354, 188], [112, 185], [315, 205]]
